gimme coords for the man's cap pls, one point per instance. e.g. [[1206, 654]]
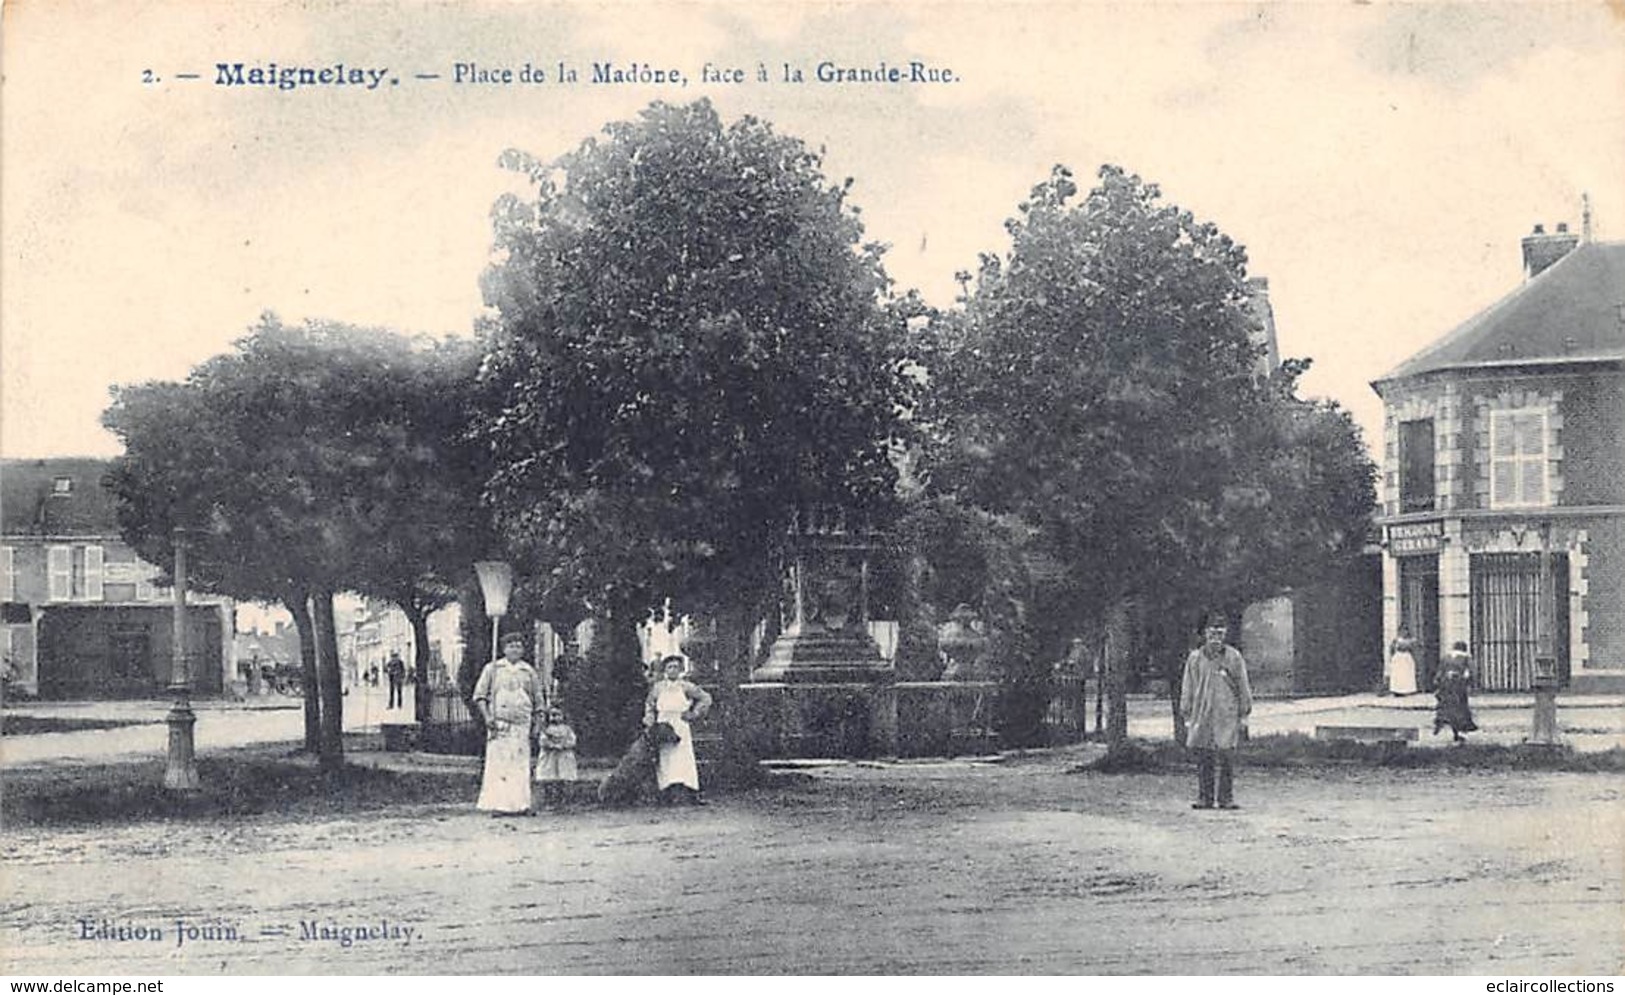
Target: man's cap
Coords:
[[511, 638]]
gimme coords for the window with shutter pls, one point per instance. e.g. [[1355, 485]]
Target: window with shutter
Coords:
[[94, 557], [8, 574], [59, 566], [1518, 458]]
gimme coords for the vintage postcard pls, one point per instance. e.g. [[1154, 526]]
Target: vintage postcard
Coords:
[[713, 488]]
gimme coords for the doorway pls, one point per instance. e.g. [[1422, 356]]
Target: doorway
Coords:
[[1419, 612]]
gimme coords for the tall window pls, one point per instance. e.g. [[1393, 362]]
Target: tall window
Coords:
[[1416, 465], [95, 563], [75, 572], [8, 574], [1518, 458], [59, 561]]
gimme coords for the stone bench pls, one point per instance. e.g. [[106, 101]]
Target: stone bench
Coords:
[[1397, 736]]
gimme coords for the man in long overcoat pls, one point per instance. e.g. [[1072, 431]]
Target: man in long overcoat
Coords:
[[1215, 701]]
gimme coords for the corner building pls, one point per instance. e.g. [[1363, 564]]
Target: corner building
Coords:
[[1503, 478]]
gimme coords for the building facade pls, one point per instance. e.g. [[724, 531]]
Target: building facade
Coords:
[[374, 629], [1503, 478], [83, 615]]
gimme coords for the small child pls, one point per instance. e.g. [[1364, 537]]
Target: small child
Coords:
[[557, 763]]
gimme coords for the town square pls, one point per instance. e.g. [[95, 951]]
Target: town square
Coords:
[[1091, 507]]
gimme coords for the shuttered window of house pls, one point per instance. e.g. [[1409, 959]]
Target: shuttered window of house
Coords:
[[1518, 458], [8, 574], [95, 558], [59, 566]]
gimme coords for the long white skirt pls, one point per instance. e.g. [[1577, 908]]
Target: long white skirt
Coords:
[[506, 784], [676, 764], [1402, 673]]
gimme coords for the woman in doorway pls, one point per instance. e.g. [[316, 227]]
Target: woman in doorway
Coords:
[[677, 701], [1402, 665], [1450, 692]]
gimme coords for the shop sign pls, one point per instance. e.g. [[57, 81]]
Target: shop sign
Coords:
[[1416, 537]]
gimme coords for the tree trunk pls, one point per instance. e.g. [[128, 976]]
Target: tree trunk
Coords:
[[476, 631], [605, 702], [1171, 644], [330, 681], [298, 606], [1119, 638], [420, 656], [626, 683], [1099, 664]]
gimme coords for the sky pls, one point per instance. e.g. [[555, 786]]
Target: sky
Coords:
[[1380, 162]]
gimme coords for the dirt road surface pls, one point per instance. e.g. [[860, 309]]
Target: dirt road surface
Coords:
[[951, 867]]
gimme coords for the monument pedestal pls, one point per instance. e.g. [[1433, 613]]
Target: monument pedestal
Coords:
[[819, 720], [825, 690]]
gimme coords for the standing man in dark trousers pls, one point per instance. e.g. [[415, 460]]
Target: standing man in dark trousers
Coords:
[[1215, 701], [395, 669]]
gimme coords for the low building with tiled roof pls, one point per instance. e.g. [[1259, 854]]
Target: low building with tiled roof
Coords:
[[81, 615], [1503, 490]]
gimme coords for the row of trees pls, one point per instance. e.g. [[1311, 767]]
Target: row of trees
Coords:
[[311, 460], [688, 339]]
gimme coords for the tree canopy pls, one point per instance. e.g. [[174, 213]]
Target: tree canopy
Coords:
[[692, 340], [308, 460], [1101, 383]]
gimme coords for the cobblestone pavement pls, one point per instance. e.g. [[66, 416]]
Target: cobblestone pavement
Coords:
[[958, 867]]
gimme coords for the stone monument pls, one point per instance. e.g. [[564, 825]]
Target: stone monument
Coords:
[[825, 689]]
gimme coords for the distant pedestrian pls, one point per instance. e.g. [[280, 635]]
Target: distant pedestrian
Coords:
[[1450, 689], [676, 701], [1401, 668], [508, 695], [1215, 700], [556, 764], [395, 670]]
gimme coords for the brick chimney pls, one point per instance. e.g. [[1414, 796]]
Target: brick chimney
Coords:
[[1264, 333], [1541, 250]]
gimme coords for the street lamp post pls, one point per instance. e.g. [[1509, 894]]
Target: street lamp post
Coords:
[[1543, 731], [180, 769], [496, 585]]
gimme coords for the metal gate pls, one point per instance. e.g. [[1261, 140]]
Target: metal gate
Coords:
[[1506, 618]]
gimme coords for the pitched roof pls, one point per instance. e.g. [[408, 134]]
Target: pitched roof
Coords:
[[1573, 312], [31, 503]]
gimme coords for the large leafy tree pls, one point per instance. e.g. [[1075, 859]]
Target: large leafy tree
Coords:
[[417, 515], [202, 456], [692, 340], [1101, 383], [308, 460]]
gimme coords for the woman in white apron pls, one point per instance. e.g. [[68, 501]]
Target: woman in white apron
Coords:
[[508, 696], [676, 701], [1402, 666]]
